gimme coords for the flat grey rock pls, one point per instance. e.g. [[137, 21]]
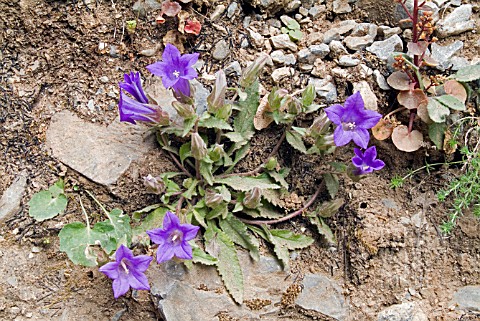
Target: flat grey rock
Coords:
[[283, 41], [348, 61], [11, 198], [341, 6], [221, 50], [384, 49], [408, 311], [324, 88], [443, 54], [322, 295], [100, 153], [369, 98], [457, 22], [468, 298], [198, 294]]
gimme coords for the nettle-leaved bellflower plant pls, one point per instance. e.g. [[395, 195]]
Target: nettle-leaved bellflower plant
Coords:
[[353, 121], [175, 69], [366, 162], [127, 271], [137, 108], [173, 238]]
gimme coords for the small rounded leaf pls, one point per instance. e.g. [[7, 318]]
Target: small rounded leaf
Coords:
[[456, 89], [411, 99], [399, 81], [422, 112], [407, 142], [383, 129], [437, 112]]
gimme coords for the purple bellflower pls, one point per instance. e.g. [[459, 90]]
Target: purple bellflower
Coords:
[[127, 271], [175, 70], [137, 108], [173, 238], [352, 121], [366, 162]]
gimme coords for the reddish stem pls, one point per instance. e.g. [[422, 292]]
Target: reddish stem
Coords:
[[290, 216], [410, 123]]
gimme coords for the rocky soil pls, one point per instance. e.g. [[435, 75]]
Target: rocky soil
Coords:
[[60, 64]]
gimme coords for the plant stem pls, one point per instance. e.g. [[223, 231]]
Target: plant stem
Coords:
[[289, 216], [174, 159], [179, 205], [394, 111], [260, 167]]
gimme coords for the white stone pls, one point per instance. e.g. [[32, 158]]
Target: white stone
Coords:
[[369, 98], [281, 73]]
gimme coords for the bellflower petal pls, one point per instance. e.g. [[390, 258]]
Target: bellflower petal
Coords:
[[127, 271], [132, 110], [173, 238], [175, 69], [352, 121], [366, 162], [133, 85]]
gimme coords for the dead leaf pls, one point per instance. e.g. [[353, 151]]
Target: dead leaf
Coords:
[[262, 119], [383, 129], [175, 38], [182, 17]]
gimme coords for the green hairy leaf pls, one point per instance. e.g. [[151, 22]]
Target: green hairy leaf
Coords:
[[48, 204], [466, 74], [279, 177], [295, 140], [245, 183], [237, 231], [331, 181], [199, 256], [243, 122], [151, 221], [77, 240], [450, 102], [437, 111], [436, 132], [291, 240], [323, 229], [213, 122], [219, 245]]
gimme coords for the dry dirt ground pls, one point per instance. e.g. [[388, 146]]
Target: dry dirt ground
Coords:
[[389, 247]]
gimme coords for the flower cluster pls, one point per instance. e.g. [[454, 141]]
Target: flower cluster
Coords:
[[175, 70], [353, 122], [128, 270]]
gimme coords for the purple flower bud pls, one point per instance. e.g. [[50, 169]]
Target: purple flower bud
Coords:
[[127, 271], [320, 125], [213, 199], [184, 110], [216, 153], [216, 99], [154, 185], [252, 198], [172, 238], [199, 148], [252, 72]]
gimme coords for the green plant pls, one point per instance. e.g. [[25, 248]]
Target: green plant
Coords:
[[431, 98], [292, 28]]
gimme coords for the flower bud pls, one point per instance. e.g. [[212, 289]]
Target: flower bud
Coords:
[[320, 125], [216, 153], [154, 185], [184, 110], [250, 74], [213, 199], [252, 198], [292, 105], [216, 99], [324, 142], [224, 112], [275, 98], [199, 148], [271, 163], [161, 118]]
